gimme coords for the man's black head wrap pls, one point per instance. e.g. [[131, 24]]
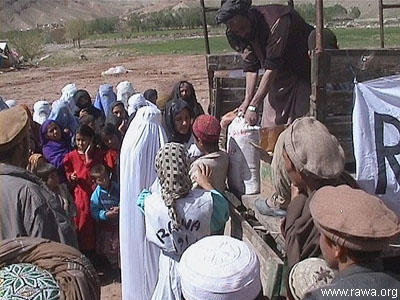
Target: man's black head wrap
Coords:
[[231, 8]]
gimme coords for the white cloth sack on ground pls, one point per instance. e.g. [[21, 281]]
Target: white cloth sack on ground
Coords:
[[244, 158], [115, 70], [376, 137]]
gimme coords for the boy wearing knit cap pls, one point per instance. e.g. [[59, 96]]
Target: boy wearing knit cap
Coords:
[[353, 233], [220, 268], [313, 158], [206, 130]]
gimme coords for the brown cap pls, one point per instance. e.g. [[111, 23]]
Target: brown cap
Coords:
[[313, 149], [353, 218], [13, 125]]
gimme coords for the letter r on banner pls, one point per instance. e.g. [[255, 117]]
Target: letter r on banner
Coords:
[[385, 152]]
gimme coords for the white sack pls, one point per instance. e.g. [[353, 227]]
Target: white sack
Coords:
[[244, 158]]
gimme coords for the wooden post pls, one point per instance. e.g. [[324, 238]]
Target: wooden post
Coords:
[[317, 99], [205, 30], [319, 23], [381, 32], [210, 73]]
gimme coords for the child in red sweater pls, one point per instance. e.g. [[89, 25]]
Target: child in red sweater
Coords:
[[77, 165]]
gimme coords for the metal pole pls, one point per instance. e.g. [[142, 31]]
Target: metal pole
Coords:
[[207, 43], [319, 23], [381, 32]]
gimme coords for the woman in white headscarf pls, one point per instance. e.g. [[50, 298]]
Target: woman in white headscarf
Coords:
[[125, 90], [139, 259], [135, 102], [41, 111]]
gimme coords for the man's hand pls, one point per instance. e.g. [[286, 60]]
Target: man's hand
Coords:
[[243, 107], [73, 176], [88, 153], [228, 118], [251, 117], [123, 127], [203, 177]]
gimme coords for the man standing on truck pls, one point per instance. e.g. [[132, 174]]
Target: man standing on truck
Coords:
[[274, 38]]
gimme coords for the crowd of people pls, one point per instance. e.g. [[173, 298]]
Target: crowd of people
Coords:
[[140, 185], [76, 168]]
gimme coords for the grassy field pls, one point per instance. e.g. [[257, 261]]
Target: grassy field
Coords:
[[171, 33], [347, 38], [367, 37], [191, 42], [176, 46]]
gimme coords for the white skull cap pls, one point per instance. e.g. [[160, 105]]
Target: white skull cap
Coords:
[[220, 268]]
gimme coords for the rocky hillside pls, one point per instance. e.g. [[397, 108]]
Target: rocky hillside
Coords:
[[24, 14]]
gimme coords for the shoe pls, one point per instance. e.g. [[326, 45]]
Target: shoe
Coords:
[[266, 210]]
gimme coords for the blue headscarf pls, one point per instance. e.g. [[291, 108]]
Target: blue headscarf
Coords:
[[61, 113], [104, 98]]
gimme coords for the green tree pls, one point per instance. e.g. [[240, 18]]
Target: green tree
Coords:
[[354, 12], [134, 22], [28, 44], [103, 25], [307, 11], [76, 30], [335, 12]]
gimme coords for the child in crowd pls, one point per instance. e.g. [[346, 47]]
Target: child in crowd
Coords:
[[77, 165], [111, 144], [84, 105], [88, 120], [206, 132], [104, 208], [48, 173], [55, 145], [118, 117], [178, 126]]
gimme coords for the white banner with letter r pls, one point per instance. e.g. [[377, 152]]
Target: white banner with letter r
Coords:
[[376, 137]]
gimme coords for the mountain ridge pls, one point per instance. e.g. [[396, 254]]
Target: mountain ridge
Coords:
[[26, 14]]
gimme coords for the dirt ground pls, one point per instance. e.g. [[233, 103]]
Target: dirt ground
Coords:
[[160, 72]]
